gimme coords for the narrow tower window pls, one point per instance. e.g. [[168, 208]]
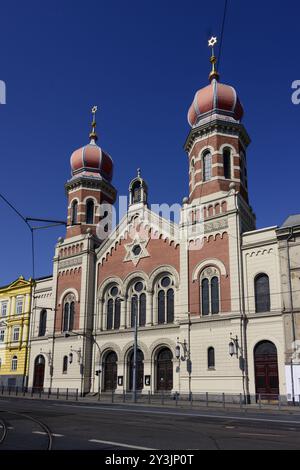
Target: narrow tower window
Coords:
[[262, 293], [74, 212], [90, 209], [227, 163], [207, 169]]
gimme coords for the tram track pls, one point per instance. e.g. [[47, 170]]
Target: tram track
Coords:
[[46, 430]]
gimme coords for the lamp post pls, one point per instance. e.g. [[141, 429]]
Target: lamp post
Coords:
[[79, 352], [236, 350], [186, 346]]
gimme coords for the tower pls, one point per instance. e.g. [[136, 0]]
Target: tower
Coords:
[[88, 190], [90, 186], [218, 204], [217, 142]]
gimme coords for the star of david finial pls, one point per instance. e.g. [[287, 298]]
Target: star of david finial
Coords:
[[213, 41], [213, 74]]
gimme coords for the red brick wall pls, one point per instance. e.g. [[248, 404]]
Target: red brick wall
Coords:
[[160, 253], [212, 249], [69, 279]]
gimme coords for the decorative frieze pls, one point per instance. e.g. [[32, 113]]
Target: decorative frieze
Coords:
[[70, 263]]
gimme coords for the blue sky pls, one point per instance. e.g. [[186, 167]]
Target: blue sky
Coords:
[[141, 62]]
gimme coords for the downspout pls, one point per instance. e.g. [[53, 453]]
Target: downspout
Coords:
[[290, 237], [243, 319]]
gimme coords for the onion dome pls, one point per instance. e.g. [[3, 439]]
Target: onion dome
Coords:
[[215, 98], [91, 160]]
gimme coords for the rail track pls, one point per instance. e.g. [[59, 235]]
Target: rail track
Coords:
[[6, 431]]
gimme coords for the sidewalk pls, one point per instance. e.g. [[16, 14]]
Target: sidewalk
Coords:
[[157, 402]]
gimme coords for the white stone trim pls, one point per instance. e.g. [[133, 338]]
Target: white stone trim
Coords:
[[206, 263]]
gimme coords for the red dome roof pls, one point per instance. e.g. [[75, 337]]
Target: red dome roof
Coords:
[[92, 160], [215, 97]]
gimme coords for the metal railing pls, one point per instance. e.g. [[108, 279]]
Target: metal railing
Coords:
[[164, 398]]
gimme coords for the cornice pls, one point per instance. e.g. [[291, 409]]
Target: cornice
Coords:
[[220, 126]]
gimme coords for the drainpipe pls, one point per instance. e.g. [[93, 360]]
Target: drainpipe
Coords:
[[244, 320], [290, 237]]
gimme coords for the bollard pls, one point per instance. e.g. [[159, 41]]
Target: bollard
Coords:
[[32, 391], [259, 400], [8, 391], [24, 391], [40, 393], [99, 395], [112, 396], [76, 394], [124, 396], [67, 394], [16, 391], [149, 398], [241, 401], [176, 398], [206, 398], [223, 400], [57, 393], [279, 402]]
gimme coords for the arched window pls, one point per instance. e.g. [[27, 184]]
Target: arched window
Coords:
[[43, 323], [211, 358], [137, 193], [262, 293], [215, 296], [165, 300], [74, 213], [14, 363], [207, 166], [65, 365], [193, 174], [137, 298], [227, 163], [205, 297], [68, 313], [90, 209], [113, 308], [210, 291]]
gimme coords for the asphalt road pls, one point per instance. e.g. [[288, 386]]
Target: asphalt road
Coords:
[[40, 425]]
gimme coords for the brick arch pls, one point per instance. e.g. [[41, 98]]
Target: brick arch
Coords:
[[159, 344], [109, 347], [69, 291], [205, 264], [128, 348], [134, 275], [164, 269], [110, 280]]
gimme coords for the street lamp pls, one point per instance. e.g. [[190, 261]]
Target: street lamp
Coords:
[[234, 346]]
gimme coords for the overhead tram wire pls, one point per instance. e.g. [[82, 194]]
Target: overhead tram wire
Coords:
[[222, 31], [29, 227], [26, 220]]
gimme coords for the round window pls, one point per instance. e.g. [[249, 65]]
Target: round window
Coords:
[[139, 287], [136, 250], [114, 291], [166, 281]]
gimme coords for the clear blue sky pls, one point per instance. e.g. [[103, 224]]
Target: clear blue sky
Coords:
[[141, 62]]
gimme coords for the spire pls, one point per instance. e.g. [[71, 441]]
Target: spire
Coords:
[[139, 172], [93, 135], [214, 75]]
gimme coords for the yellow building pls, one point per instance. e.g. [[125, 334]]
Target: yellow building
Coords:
[[15, 306]]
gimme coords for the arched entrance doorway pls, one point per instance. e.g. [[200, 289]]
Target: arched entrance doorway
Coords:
[[110, 372], [139, 370], [266, 370], [39, 372], [164, 370]]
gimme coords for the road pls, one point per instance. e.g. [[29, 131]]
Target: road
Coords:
[[40, 425]]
